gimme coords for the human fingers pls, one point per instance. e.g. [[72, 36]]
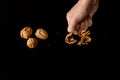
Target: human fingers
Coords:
[[83, 27], [89, 20], [71, 26]]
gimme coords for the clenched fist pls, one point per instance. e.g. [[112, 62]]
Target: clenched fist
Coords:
[[80, 16]]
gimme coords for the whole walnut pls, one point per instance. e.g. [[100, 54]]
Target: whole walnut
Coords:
[[32, 42], [26, 32], [41, 34]]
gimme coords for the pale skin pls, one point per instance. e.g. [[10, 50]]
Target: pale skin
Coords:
[[79, 18]]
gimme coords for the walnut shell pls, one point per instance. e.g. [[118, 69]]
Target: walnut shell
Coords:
[[32, 42], [26, 32], [69, 39], [41, 34]]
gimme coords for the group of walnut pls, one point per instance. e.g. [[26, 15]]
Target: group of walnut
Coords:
[[32, 42], [26, 33]]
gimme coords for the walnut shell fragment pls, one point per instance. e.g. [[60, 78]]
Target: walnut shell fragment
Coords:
[[26, 32], [32, 42], [69, 39], [41, 34], [84, 38]]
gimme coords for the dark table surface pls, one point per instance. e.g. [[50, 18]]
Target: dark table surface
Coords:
[[51, 15]]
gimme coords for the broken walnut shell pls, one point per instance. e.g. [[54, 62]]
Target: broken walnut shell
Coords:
[[69, 39]]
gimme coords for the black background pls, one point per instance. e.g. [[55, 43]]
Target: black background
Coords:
[[101, 53]]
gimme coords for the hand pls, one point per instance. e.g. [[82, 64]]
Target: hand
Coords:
[[80, 16]]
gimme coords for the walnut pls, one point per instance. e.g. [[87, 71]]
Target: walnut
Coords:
[[26, 32], [41, 34], [32, 42]]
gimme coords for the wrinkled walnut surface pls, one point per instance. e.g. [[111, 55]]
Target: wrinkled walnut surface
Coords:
[[41, 34], [26, 32], [32, 42]]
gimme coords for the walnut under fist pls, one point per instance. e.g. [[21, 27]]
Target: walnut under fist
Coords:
[[41, 34], [32, 42], [26, 32]]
